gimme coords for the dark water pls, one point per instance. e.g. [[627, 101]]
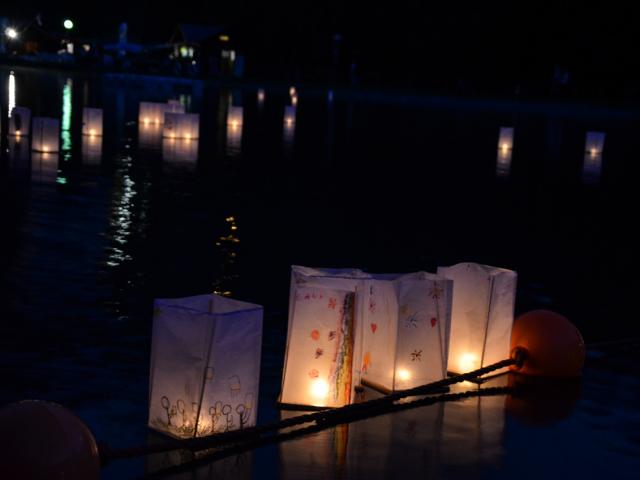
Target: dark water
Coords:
[[92, 235]]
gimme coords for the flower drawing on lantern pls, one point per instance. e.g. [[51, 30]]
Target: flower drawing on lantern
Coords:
[[315, 335], [313, 373], [216, 413], [227, 412], [372, 305], [412, 321], [234, 385], [434, 321], [416, 355], [319, 352], [435, 291], [332, 303]]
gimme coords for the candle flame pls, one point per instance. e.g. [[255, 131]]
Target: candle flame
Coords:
[[320, 389]]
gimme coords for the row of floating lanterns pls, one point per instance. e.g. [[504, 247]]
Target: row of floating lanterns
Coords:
[[346, 328]]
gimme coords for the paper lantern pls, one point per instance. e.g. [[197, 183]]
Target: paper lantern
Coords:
[[20, 122], [92, 121], [234, 117], [482, 315], [149, 135], [92, 149], [45, 135], [505, 138], [322, 353], [174, 106], [44, 167], [181, 125], [205, 365], [289, 116], [406, 329], [153, 112], [180, 152], [289, 131], [234, 141], [594, 143]]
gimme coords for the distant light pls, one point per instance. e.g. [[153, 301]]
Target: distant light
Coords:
[[68, 24], [224, 38], [11, 32]]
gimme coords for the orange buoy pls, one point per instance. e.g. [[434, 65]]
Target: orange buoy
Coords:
[[551, 344], [45, 440]]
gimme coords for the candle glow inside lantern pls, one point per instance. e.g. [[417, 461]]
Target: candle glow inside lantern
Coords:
[[234, 118], [322, 349], [45, 135], [482, 315], [181, 125], [205, 365], [594, 144], [92, 122], [153, 112], [20, 122], [505, 138], [289, 116], [405, 335], [180, 152]]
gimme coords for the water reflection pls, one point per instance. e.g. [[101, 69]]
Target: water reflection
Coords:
[[20, 122], [44, 167], [591, 168], [121, 215], [180, 152], [67, 106], [12, 92], [427, 442], [234, 130], [261, 97], [505, 151], [92, 149], [228, 246], [18, 156], [289, 131], [149, 135]]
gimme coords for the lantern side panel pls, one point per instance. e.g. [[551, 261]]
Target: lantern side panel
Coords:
[[20, 121], [319, 364], [503, 297], [379, 335], [422, 318], [92, 121], [469, 316], [232, 378], [180, 346]]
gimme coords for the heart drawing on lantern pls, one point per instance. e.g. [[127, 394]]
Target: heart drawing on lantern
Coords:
[[374, 327], [433, 322]]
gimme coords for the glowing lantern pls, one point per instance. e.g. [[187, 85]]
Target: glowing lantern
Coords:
[[482, 315], [205, 365], [503, 162], [153, 112], [45, 135], [261, 96], [405, 335], [181, 125], [594, 143], [505, 138], [92, 122], [20, 122], [174, 106], [92, 149], [289, 116], [234, 118], [320, 370]]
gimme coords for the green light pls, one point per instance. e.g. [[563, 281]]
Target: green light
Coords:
[[68, 24]]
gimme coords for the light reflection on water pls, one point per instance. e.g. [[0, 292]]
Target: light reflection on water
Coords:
[[67, 106], [121, 215]]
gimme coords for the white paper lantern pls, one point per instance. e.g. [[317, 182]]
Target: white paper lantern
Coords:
[[234, 118], [289, 116], [92, 121], [482, 315], [44, 167], [406, 330], [174, 106], [594, 143], [153, 112], [92, 149], [149, 135], [505, 138], [20, 122], [322, 353], [181, 125], [205, 365], [180, 152], [45, 135]]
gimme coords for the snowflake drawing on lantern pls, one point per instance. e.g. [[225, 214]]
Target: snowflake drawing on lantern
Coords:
[[416, 355], [412, 321], [332, 335], [319, 352]]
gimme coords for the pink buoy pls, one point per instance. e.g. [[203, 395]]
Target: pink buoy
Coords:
[[45, 440]]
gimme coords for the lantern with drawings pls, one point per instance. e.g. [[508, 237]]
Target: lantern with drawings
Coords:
[[205, 365], [92, 121], [20, 122], [45, 135]]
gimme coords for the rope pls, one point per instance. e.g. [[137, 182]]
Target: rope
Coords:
[[282, 437], [339, 415]]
